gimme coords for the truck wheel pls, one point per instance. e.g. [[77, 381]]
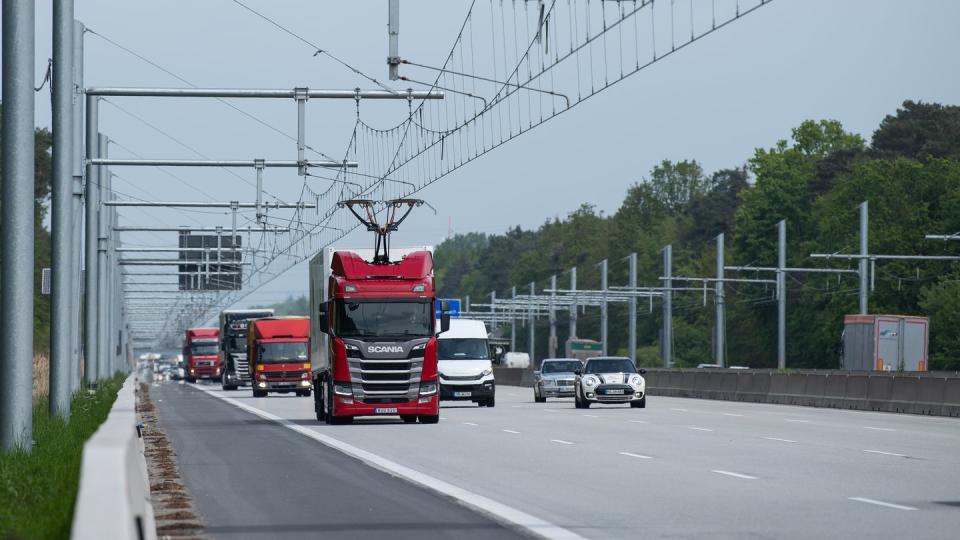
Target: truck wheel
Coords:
[[259, 393], [318, 407], [408, 418], [303, 393], [224, 385], [191, 380], [328, 400], [340, 420], [429, 419]]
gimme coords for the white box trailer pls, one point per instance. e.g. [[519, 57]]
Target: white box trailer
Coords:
[[320, 276], [885, 343]]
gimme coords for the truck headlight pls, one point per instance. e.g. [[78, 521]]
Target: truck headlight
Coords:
[[342, 389], [486, 372], [428, 388], [304, 375], [591, 381]]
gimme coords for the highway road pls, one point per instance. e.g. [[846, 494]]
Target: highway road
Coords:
[[682, 468]]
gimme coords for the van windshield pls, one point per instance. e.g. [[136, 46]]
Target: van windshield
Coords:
[[463, 349]]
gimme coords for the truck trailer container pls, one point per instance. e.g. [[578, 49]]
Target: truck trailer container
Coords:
[[200, 354], [278, 355], [885, 343]]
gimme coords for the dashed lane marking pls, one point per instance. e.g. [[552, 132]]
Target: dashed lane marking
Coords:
[[735, 475], [469, 424], [631, 454], [511, 431], [699, 428], [560, 441], [881, 452], [779, 439], [878, 428], [881, 503], [732, 414]]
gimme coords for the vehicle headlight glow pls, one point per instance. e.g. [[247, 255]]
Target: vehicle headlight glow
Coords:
[[343, 389], [428, 388], [486, 372], [590, 380]]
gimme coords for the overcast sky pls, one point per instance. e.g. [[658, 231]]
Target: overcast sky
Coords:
[[742, 87]]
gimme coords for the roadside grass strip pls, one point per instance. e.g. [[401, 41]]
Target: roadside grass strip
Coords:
[[38, 490]]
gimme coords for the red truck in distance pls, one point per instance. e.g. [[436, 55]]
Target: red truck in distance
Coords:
[[278, 355], [201, 352], [375, 342]]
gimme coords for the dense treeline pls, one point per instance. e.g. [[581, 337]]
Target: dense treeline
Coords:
[[43, 170], [909, 172]]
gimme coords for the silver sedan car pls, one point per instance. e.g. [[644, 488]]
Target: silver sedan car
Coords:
[[555, 378]]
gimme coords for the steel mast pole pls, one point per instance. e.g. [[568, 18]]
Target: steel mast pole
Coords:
[[573, 306], [667, 343], [513, 321], [103, 286], [61, 210], [76, 301], [604, 310], [632, 307], [552, 342], [719, 304], [532, 331], [864, 222], [16, 227], [90, 374], [781, 294]]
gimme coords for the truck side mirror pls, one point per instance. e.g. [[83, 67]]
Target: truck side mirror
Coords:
[[323, 323], [444, 317]]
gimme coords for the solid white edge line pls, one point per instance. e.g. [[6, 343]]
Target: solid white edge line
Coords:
[[487, 506], [631, 454], [881, 452], [881, 503], [735, 475]]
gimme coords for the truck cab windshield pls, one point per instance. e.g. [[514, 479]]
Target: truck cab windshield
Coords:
[[463, 349], [383, 319], [276, 353], [203, 349]]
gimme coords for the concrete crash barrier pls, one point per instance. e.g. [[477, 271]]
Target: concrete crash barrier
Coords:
[[114, 496], [929, 393]]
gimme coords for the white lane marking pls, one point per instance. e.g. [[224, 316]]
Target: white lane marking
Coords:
[[511, 431], [631, 454], [881, 503], [560, 441], [797, 420], [639, 422], [732, 414], [500, 511], [885, 453], [469, 424], [549, 410], [779, 439], [514, 406], [699, 428], [675, 409], [590, 416], [443, 417], [879, 428], [735, 475]]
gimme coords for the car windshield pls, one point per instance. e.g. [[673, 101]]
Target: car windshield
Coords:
[[203, 349], [609, 365], [463, 349], [274, 353], [563, 366], [379, 319]]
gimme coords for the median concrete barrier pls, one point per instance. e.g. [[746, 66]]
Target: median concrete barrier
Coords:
[[114, 496], [916, 393]]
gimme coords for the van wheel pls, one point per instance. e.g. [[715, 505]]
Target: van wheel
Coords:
[[491, 402]]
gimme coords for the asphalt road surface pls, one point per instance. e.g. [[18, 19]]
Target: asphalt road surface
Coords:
[[681, 468]]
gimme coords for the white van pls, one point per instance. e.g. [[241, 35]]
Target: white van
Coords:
[[463, 357]]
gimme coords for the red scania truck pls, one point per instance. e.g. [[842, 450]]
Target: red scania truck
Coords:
[[375, 344], [278, 355], [201, 352]]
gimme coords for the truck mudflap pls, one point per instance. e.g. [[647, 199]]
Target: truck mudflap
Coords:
[[424, 406]]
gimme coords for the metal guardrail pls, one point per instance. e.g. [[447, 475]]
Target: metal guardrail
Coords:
[[114, 496]]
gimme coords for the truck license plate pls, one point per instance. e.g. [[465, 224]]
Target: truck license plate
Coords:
[[615, 392], [385, 410], [462, 394]]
